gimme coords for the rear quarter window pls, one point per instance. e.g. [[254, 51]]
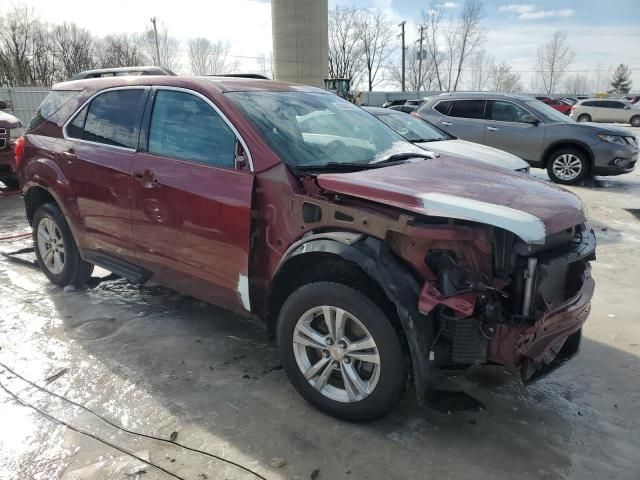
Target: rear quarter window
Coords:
[[443, 107], [50, 105]]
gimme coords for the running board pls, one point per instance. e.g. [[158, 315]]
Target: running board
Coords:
[[127, 270]]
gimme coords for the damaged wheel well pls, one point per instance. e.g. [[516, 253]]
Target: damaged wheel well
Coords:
[[34, 198], [320, 266]]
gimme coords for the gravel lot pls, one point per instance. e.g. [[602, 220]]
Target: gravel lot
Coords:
[[156, 362]]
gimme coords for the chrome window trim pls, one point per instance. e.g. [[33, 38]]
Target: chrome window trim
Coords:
[[95, 95], [222, 115]]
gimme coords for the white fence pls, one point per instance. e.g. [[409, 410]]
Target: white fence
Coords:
[[23, 101]]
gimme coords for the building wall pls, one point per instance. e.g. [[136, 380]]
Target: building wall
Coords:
[[300, 40]]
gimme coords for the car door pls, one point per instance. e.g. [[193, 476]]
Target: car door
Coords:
[[191, 204], [506, 130], [619, 113], [465, 119], [96, 154], [608, 112]]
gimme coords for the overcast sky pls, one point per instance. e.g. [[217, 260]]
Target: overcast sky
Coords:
[[603, 33]]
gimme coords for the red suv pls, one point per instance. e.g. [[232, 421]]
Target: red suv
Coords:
[[556, 103], [370, 260]]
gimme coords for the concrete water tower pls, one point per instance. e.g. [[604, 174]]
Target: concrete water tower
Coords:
[[300, 40]]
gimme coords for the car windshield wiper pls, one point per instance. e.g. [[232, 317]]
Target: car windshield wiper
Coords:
[[425, 140], [399, 157], [344, 166]]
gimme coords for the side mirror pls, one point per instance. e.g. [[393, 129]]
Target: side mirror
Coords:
[[529, 119], [3, 105]]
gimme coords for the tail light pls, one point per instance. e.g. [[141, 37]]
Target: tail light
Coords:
[[573, 107], [18, 151]]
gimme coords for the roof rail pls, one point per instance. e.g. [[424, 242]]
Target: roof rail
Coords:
[[241, 75], [121, 71]]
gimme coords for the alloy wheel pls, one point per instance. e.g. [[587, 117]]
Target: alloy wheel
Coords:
[[567, 167], [51, 246], [336, 354]]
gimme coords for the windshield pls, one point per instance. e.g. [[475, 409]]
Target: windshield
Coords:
[[412, 128], [550, 114], [318, 129]]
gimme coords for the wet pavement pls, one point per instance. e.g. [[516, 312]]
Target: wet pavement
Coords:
[[157, 363]]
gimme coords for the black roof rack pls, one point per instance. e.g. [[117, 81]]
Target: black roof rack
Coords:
[[241, 75], [121, 71]]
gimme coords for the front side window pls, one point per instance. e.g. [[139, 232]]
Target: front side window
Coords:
[[112, 118], [502, 111], [412, 128], [186, 127], [318, 130], [468, 109]]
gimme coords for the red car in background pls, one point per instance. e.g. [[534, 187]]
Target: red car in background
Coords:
[[558, 104]]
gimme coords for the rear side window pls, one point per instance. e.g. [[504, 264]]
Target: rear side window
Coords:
[[186, 127], [594, 103], [468, 109], [112, 118], [616, 105], [50, 105], [443, 107]]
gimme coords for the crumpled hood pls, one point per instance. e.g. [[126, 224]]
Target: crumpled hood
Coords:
[[466, 189], [476, 151]]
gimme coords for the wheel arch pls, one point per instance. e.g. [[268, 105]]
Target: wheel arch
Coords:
[[561, 144], [368, 264], [35, 197]]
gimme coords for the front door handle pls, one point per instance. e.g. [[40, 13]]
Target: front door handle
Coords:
[[147, 178], [448, 124], [493, 129]]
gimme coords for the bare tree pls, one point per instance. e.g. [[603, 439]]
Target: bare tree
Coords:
[[502, 79], [451, 45], [74, 49], [345, 44], [207, 58], [16, 31], [120, 50], [552, 60], [577, 84], [43, 69], [480, 67], [168, 47], [377, 37], [417, 77]]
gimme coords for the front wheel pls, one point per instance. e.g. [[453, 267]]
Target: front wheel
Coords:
[[56, 249], [341, 352], [568, 166]]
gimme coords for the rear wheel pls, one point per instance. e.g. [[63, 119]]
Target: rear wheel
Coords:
[[56, 249], [341, 352], [585, 117], [568, 166], [635, 121]]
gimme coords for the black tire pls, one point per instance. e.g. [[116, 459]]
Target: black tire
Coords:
[[75, 271], [392, 367], [635, 121], [584, 166], [11, 182], [585, 117]]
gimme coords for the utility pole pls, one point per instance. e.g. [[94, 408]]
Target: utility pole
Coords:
[[401, 25], [420, 58], [155, 33]]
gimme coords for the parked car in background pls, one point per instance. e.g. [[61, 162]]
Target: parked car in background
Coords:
[[9, 128], [570, 100], [632, 98], [404, 108], [536, 133], [422, 133], [606, 110], [416, 103], [556, 103], [391, 103], [370, 260]]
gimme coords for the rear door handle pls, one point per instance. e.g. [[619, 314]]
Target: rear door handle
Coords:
[[69, 156], [493, 129], [448, 124]]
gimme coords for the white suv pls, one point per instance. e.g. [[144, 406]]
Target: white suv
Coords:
[[606, 110]]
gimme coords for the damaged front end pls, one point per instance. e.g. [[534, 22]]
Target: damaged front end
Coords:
[[527, 314]]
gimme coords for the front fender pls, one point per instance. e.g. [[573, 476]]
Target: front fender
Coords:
[[377, 261]]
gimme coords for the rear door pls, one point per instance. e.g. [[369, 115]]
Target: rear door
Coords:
[[191, 209], [465, 119], [96, 156], [506, 130], [619, 114]]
